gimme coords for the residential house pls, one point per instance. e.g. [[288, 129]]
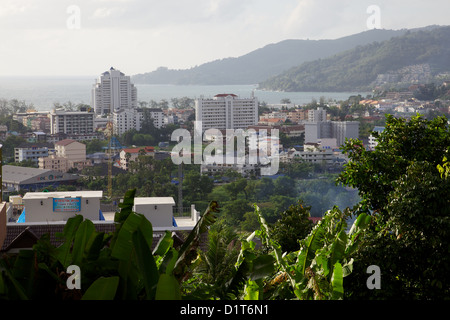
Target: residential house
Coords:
[[129, 155]]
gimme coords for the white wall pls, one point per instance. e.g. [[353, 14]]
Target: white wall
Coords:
[[158, 210], [39, 206]]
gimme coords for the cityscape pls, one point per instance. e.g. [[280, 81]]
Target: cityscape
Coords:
[[228, 197]]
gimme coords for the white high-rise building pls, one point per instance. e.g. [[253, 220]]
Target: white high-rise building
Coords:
[[133, 118], [127, 119], [318, 127], [317, 115], [226, 111], [112, 92]]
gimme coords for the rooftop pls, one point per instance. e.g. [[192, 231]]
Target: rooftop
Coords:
[[63, 194], [154, 200], [65, 142], [136, 150]]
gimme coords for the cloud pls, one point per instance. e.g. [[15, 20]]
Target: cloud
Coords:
[[141, 35]]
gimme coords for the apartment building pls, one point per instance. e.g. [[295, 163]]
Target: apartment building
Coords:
[[31, 151], [127, 119], [157, 115], [113, 91], [68, 154], [317, 115], [226, 111], [71, 122], [372, 140], [322, 128], [134, 118]]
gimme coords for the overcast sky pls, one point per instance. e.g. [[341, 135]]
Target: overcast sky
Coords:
[[87, 37]]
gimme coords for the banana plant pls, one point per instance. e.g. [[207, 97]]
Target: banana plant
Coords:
[[118, 265], [316, 271]]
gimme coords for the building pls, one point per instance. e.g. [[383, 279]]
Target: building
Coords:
[[31, 151], [129, 155], [127, 119], [60, 206], [16, 178], [372, 140], [340, 130], [226, 111], [247, 169], [298, 115], [317, 115], [314, 153], [68, 154], [157, 115], [112, 92], [71, 122], [158, 210]]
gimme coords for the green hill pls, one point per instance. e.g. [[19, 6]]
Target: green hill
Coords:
[[262, 63], [414, 57]]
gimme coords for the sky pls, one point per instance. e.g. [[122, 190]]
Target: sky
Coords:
[[87, 37]]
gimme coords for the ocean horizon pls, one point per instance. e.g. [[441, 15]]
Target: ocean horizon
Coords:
[[43, 92]]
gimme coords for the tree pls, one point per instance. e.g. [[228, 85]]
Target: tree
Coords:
[[285, 185], [236, 187], [217, 261], [402, 188], [264, 188], [196, 186], [292, 226]]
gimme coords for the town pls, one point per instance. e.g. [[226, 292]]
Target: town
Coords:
[[82, 160], [89, 147]]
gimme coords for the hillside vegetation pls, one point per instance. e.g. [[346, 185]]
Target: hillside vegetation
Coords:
[[360, 67], [262, 63]]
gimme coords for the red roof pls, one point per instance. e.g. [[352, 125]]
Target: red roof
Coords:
[[136, 150]]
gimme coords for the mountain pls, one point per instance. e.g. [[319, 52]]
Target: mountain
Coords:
[[263, 63], [414, 57]]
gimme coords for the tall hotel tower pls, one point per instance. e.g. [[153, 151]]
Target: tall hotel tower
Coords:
[[112, 92], [226, 111]]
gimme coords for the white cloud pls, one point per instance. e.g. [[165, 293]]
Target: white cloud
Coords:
[[141, 35]]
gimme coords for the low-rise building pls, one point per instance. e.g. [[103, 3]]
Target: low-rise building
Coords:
[[31, 151], [68, 154], [60, 206], [15, 178], [129, 155]]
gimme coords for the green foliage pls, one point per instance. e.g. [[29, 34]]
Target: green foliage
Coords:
[[358, 68], [403, 185], [120, 265], [293, 226]]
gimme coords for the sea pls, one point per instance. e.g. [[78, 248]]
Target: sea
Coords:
[[44, 92]]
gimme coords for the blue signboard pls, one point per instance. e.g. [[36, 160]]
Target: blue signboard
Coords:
[[67, 204]]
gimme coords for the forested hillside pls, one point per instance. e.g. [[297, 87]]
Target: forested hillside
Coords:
[[360, 67], [262, 63]]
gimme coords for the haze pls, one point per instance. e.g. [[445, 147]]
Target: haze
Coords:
[[85, 38]]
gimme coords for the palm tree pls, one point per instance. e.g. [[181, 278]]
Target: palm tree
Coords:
[[217, 261]]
